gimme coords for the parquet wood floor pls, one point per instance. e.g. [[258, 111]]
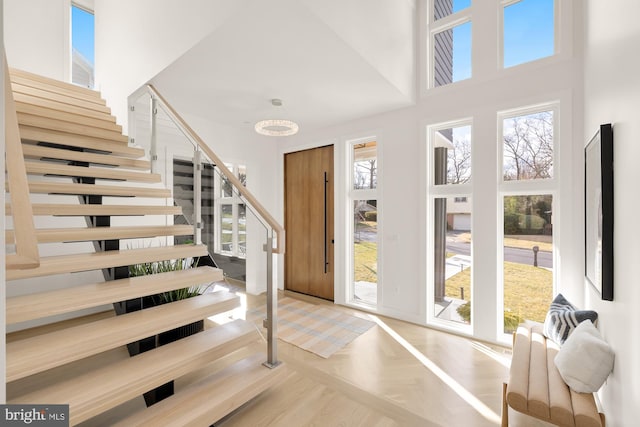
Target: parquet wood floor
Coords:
[[395, 374]]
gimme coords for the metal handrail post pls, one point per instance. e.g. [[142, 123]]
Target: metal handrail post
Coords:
[[197, 197], [153, 146], [272, 308]]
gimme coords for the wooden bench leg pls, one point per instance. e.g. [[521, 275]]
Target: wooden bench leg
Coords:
[[505, 407]]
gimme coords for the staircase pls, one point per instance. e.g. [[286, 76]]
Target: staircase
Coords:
[[72, 146]]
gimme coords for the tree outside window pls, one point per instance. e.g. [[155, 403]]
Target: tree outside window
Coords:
[[528, 147]]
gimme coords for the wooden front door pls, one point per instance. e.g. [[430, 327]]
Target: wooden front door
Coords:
[[309, 222]]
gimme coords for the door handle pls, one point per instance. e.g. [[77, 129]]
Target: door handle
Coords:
[[326, 246]]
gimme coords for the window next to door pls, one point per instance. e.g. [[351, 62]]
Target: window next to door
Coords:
[[363, 202]]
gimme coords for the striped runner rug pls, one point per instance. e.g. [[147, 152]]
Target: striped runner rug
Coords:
[[317, 328]]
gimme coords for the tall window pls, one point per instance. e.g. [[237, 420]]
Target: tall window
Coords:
[[528, 31], [450, 204], [364, 212], [231, 224], [528, 186], [449, 42], [82, 46]]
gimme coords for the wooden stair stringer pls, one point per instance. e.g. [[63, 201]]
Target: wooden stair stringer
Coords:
[[40, 353], [95, 392]]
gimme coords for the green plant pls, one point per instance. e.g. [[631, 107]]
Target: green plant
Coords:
[[156, 267], [511, 223]]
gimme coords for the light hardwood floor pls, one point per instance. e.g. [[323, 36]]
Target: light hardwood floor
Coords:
[[395, 374]]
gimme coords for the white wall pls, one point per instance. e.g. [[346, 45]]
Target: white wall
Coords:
[[135, 40], [612, 91], [402, 138], [37, 36]]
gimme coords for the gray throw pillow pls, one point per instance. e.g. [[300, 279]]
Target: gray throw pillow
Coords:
[[562, 318]]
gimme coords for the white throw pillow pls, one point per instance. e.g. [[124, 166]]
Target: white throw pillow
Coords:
[[585, 359]]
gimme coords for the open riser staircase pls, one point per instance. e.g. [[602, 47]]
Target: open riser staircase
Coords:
[[79, 165]]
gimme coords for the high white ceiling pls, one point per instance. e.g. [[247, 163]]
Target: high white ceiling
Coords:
[[330, 61]]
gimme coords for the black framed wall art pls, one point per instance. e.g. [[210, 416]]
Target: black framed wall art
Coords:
[[598, 211]]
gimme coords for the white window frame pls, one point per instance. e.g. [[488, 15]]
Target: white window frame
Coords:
[[88, 8], [448, 191], [434, 27], [556, 34], [234, 201], [549, 186], [352, 196]]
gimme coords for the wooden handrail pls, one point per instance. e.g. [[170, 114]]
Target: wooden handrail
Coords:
[[27, 255], [246, 194]]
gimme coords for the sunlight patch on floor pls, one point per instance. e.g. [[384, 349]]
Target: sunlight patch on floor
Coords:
[[229, 316], [466, 395], [499, 357]]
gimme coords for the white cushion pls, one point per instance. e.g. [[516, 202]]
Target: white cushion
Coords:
[[585, 359]]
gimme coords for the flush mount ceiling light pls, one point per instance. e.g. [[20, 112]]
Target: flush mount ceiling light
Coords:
[[276, 127]]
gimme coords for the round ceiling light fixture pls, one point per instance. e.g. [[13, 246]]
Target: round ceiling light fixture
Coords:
[[276, 127]]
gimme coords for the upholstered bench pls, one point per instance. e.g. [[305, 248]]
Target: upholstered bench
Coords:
[[536, 388]]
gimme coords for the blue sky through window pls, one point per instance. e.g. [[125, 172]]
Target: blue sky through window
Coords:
[[82, 33], [528, 31], [460, 4], [462, 52]]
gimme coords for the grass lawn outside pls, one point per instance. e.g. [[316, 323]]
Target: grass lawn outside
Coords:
[[528, 290], [365, 262]]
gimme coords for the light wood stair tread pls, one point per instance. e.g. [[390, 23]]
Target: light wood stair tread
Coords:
[[49, 168], [209, 400], [103, 190], [52, 96], [79, 127], [32, 355], [95, 392], [15, 72], [59, 209], [53, 87], [88, 234], [45, 304], [119, 147], [98, 260], [37, 151], [104, 121], [50, 104]]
